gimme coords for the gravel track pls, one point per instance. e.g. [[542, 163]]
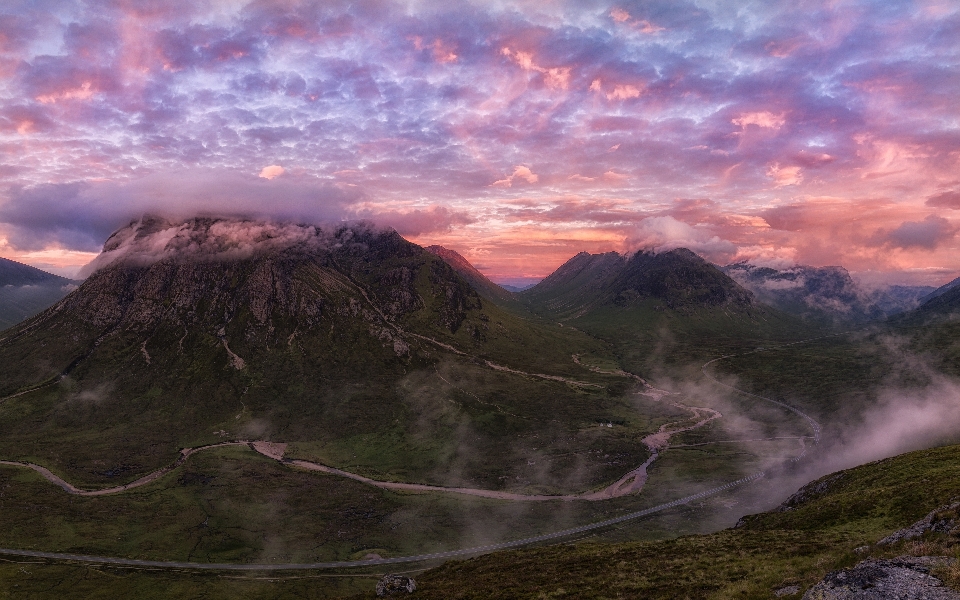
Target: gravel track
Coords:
[[272, 451]]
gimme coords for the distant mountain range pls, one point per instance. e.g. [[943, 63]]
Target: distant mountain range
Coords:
[[825, 294], [25, 291]]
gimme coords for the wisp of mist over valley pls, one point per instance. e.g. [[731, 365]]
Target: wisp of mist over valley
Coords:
[[495, 300]]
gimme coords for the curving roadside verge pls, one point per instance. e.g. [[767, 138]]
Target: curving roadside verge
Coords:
[[130, 562], [463, 552]]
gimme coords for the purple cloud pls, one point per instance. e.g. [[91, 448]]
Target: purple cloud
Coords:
[[761, 108], [926, 234]]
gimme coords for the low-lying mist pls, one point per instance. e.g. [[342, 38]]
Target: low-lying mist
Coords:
[[914, 407]]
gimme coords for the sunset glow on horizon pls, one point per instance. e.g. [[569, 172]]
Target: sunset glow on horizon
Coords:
[[516, 133]]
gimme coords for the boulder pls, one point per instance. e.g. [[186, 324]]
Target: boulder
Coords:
[[394, 585], [903, 578]]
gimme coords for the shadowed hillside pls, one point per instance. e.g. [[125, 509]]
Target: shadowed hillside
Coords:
[[668, 308], [25, 291]]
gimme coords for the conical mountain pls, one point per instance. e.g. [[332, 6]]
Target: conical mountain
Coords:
[[346, 340]]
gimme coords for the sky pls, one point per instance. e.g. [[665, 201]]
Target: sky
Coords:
[[516, 133]]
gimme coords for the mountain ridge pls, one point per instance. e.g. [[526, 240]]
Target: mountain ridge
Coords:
[[26, 291], [479, 281], [828, 295]]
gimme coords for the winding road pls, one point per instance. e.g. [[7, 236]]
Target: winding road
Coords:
[[629, 483]]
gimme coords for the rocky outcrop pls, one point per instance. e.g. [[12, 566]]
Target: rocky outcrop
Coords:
[[811, 491], [395, 585], [902, 578], [943, 520]]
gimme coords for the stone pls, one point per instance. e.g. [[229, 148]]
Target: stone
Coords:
[[902, 578], [394, 585]]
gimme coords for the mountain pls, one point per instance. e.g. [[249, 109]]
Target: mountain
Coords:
[[515, 288], [678, 280], [654, 307], [947, 301], [25, 291], [943, 289], [475, 278], [824, 294], [347, 341]]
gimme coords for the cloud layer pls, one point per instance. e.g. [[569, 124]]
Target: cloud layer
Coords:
[[519, 132]]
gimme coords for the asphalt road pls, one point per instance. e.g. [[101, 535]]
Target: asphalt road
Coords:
[[82, 558]]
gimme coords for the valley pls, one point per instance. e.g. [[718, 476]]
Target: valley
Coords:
[[346, 400]]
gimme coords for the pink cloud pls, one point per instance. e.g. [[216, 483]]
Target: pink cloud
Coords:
[[272, 172], [619, 91], [554, 77], [926, 234], [435, 219], [519, 172], [764, 119], [784, 176], [660, 234], [441, 52], [84, 92], [643, 26], [949, 199]]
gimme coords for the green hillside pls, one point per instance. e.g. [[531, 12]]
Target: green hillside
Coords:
[[364, 352], [832, 517], [659, 311]]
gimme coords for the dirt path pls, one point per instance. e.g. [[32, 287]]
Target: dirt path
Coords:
[[634, 481], [276, 451], [630, 483], [150, 477]]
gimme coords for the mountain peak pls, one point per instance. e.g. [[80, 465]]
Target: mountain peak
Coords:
[[474, 277], [152, 239]]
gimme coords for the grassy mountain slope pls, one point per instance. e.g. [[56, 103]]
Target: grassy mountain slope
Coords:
[[320, 344], [671, 308], [837, 514], [477, 280]]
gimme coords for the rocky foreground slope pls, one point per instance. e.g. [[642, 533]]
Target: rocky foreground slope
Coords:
[[810, 545]]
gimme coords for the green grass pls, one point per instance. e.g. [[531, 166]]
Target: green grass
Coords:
[[773, 549]]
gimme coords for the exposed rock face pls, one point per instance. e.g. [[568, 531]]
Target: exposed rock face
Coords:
[[903, 578], [395, 585], [811, 491], [943, 520]]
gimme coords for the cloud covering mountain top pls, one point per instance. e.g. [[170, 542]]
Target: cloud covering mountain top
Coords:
[[151, 239]]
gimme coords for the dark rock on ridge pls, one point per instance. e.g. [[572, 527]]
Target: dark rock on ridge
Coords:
[[903, 578]]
